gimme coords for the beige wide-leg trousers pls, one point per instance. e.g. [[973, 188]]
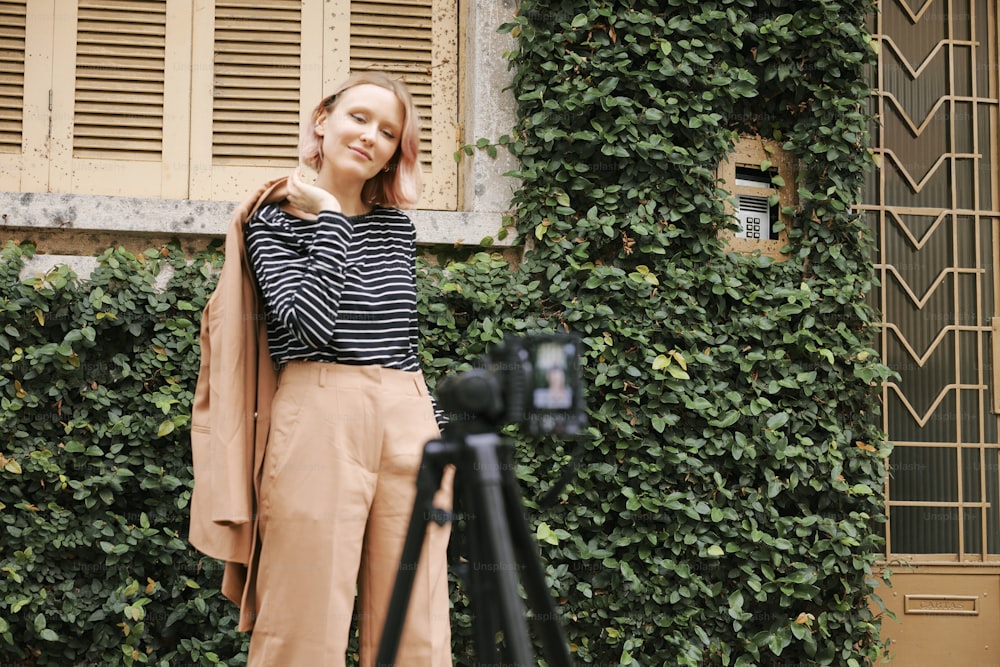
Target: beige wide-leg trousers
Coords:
[[338, 486]]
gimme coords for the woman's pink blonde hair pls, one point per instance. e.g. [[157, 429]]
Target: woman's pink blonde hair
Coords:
[[397, 186]]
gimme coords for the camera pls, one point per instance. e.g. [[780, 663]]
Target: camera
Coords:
[[533, 381]]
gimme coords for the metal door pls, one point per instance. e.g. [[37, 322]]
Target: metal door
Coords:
[[933, 206]]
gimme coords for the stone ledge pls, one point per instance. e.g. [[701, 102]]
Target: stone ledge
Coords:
[[182, 217]]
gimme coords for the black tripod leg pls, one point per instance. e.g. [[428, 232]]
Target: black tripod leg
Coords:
[[540, 600], [482, 590], [437, 454], [498, 559]]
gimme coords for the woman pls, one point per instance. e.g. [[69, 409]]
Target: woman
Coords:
[[335, 264]]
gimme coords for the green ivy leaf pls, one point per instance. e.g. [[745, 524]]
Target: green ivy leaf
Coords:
[[777, 420], [545, 534]]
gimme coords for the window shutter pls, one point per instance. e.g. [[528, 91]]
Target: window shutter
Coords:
[[260, 67], [120, 96], [13, 18], [395, 38], [255, 108], [204, 99], [409, 40], [12, 35], [253, 67], [120, 66]]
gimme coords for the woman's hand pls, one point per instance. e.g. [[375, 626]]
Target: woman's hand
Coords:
[[307, 198]]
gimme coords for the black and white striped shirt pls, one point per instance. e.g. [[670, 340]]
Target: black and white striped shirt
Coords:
[[337, 289]]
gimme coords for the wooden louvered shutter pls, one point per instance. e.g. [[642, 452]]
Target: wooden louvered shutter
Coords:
[[204, 100], [120, 65], [409, 40], [255, 111], [13, 35], [120, 97], [272, 61], [255, 62], [26, 61]]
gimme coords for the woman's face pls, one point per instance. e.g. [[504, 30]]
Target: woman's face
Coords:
[[361, 132]]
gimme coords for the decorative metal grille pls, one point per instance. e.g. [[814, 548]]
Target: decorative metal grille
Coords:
[[933, 207]]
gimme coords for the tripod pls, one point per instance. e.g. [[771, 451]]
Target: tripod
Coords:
[[500, 545]]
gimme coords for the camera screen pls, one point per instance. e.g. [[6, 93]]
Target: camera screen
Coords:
[[552, 388]]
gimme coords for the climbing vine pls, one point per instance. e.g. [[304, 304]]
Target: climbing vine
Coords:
[[727, 506]]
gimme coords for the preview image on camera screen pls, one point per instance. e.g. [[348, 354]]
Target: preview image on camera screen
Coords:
[[552, 390]]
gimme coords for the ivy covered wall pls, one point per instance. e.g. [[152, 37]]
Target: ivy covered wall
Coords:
[[725, 506]]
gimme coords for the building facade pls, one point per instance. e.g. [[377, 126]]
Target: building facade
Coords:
[[147, 120]]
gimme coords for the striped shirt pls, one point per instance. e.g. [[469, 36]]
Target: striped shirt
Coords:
[[337, 289]]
